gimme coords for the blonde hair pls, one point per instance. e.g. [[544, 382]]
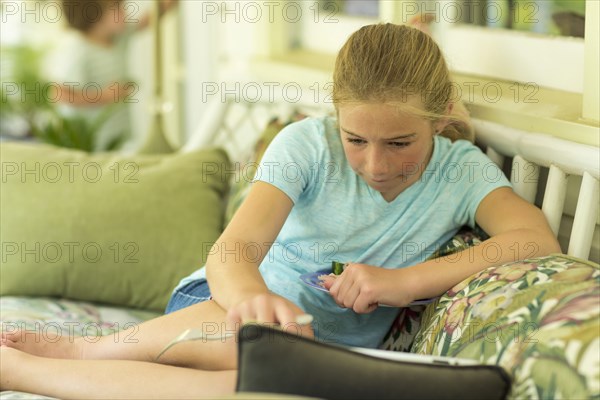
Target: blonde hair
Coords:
[[387, 63]]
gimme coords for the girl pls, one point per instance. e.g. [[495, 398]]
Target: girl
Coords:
[[380, 187]]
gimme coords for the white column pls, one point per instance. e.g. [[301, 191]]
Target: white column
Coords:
[[524, 177], [554, 197], [585, 217]]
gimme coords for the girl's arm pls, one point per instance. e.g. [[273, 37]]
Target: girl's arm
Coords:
[[518, 230], [75, 96], [232, 266]]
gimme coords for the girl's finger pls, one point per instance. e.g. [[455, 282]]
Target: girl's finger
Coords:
[[338, 282], [264, 310], [328, 281], [351, 295], [285, 315], [346, 283], [233, 316], [239, 314], [363, 305]]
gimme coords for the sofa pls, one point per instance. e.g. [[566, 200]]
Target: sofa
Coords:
[[152, 218]]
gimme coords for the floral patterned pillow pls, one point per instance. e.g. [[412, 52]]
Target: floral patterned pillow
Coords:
[[538, 318]]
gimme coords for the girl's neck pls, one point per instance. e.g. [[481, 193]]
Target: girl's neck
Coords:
[[100, 37]]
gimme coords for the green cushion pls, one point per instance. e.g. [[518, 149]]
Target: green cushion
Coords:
[[106, 228]]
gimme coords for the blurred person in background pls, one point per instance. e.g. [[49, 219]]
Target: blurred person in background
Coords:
[[89, 67]]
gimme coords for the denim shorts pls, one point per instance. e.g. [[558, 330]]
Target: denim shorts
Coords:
[[193, 293]]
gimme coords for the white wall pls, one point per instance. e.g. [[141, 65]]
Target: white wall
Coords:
[[217, 49], [200, 47]]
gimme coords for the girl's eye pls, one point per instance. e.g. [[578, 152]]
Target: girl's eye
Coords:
[[393, 144], [356, 141]]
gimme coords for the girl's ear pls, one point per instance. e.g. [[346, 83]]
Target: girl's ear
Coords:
[[441, 123]]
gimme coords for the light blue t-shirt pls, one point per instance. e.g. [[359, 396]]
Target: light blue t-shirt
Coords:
[[337, 216]]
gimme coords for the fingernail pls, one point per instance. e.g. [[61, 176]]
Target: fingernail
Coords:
[[304, 319]]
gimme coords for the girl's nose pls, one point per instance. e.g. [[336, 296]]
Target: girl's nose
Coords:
[[376, 165]]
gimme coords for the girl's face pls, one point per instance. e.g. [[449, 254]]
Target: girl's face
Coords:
[[113, 18], [387, 148]]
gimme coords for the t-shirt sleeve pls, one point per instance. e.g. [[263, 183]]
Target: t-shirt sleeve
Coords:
[[475, 176], [66, 63], [289, 160]]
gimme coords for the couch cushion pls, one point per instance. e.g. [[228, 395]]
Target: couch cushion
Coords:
[[106, 228], [67, 317], [537, 318]]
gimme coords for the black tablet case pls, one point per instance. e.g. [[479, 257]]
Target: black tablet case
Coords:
[[272, 361]]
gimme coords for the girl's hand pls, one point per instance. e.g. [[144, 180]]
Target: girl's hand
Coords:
[[363, 287], [270, 309]]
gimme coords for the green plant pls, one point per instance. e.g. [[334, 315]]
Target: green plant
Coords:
[[22, 91], [73, 132], [25, 96]]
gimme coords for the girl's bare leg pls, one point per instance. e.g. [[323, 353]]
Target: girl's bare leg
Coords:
[[107, 379], [143, 342]]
